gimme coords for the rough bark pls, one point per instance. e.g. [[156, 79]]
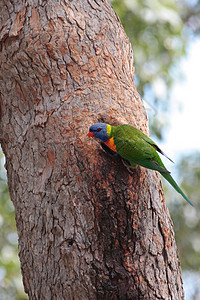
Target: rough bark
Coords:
[[87, 228]]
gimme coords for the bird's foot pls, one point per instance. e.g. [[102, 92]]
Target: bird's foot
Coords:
[[130, 167]]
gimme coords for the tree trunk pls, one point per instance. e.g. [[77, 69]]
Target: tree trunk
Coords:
[[87, 228]]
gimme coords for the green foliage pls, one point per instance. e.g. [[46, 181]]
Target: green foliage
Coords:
[[159, 32], [10, 277], [155, 30], [186, 218]]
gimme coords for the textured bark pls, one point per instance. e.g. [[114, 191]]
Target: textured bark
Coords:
[[87, 228]]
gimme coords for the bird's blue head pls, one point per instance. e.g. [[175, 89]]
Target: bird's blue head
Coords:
[[100, 131]]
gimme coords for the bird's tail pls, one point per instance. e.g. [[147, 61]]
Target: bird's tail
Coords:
[[169, 178]]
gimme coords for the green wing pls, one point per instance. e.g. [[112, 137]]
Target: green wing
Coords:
[[136, 147]]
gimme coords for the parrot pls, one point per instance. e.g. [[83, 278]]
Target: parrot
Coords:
[[132, 145]]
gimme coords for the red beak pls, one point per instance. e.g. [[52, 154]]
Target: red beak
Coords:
[[91, 134]]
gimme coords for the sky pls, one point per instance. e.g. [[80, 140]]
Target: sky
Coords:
[[183, 135]]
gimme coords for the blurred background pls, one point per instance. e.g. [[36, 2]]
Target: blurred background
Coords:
[[165, 36]]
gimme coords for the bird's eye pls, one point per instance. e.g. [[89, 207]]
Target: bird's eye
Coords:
[[99, 129]]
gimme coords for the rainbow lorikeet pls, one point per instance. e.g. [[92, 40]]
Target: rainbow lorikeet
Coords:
[[135, 147]]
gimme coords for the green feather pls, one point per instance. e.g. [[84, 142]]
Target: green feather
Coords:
[[134, 146], [170, 179]]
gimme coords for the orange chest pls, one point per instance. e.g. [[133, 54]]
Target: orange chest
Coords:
[[111, 144]]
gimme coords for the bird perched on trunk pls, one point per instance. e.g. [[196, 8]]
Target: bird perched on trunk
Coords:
[[135, 147]]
